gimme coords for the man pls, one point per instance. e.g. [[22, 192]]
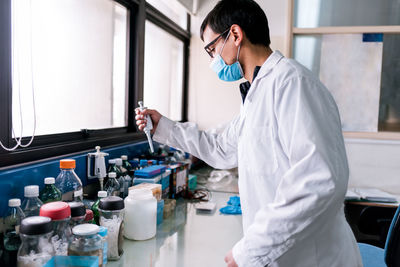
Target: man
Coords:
[[287, 142]]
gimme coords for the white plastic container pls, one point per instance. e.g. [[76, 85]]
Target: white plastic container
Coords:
[[140, 215]]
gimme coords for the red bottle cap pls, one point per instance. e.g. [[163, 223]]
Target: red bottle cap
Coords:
[[89, 215], [56, 210]]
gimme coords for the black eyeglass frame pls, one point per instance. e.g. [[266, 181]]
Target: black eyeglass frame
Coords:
[[207, 47]]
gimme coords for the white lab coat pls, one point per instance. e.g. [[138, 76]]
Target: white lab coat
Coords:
[[293, 173]]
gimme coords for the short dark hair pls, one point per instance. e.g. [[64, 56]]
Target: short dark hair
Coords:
[[245, 13]]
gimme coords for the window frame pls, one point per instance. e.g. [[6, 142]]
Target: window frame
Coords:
[[292, 31], [53, 145]]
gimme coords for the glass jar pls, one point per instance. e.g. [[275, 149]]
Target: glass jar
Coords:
[[103, 233], [36, 248], [111, 216], [86, 242], [78, 213], [67, 181], [50, 192], [60, 214]]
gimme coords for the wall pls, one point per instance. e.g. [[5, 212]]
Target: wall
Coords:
[[213, 102]]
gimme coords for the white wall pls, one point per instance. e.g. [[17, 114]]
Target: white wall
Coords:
[[213, 102]]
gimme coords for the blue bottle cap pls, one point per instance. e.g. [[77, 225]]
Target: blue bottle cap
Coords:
[[103, 231]]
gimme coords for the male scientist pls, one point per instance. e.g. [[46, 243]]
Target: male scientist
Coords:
[[287, 143]]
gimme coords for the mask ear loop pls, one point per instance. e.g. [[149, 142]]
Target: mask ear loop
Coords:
[[226, 39]]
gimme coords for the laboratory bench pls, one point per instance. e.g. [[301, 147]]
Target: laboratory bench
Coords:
[[187, 238]]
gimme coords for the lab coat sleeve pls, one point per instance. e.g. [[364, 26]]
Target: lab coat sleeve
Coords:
[[312, 190], [217, 150]]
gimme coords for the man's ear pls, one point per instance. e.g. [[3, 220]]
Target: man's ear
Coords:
[[237, 34]]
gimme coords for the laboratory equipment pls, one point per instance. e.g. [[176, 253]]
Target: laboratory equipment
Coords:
[[67, 181], [50, 192], [89, 217], [111, 211], [78, 213], [125, 180], [103, 233], [148, 128], [78, 195], [12, 223], [160, 211], [86, 242], [95, 206], [142, 164], [154, 187], [31, 204], [99, 166], [127, 165], [113, 187], [60, 214], [140, 215], [36, 248]]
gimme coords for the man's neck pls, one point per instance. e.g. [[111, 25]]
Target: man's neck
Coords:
[[255, 55]]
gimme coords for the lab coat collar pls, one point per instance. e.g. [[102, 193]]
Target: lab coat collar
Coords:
[[268, 65]]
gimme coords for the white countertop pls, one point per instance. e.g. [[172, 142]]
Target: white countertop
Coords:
[[187, 238]]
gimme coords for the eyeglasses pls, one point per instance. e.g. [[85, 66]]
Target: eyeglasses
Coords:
[[210, 50]]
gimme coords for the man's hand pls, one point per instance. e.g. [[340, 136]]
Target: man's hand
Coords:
[[141, 121], [230, 261]]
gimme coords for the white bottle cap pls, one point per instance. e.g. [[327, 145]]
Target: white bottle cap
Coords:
[[112, 174], [49, 180], [14, 202], [140, 193], [118, 162], [111, 161], [102, 194], [86, 229], [31, 191], [124, 157], [78, 193]]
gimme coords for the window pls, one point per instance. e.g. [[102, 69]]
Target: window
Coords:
[[78, 65], [350, 45], [88, 72], [163, 72], [172, 9]]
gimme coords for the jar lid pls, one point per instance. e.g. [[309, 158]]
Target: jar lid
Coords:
[[112, 175], [31, 191], [111, 161], [103, 231], [102, 194], [67, 164], [77, 209], [36, 225], [124, 157], [85, 229], [14, 202], [111, 203], [49, 180], [89, 215], [55, 210], [118, 162]]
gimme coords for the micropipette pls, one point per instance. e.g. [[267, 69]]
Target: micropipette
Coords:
[[148, 128]]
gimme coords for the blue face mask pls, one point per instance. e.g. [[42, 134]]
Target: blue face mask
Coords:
[[228, 73]]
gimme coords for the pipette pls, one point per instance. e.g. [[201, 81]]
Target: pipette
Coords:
[[148, 128]]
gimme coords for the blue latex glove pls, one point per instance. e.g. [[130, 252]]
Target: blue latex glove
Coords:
[[233, 206], [234, 201], [231, 210]]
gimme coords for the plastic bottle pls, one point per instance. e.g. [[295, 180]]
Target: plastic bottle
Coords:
[[127, 165], [12, 223], [50, 192], [67, 181], [140, 215], [95, 206], [112, 186], [78, 195], [31, 204]]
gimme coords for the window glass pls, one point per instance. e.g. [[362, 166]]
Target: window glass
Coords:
[[361, 72], [163, 72], [318, 13], [75, 54], [172, 9]]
